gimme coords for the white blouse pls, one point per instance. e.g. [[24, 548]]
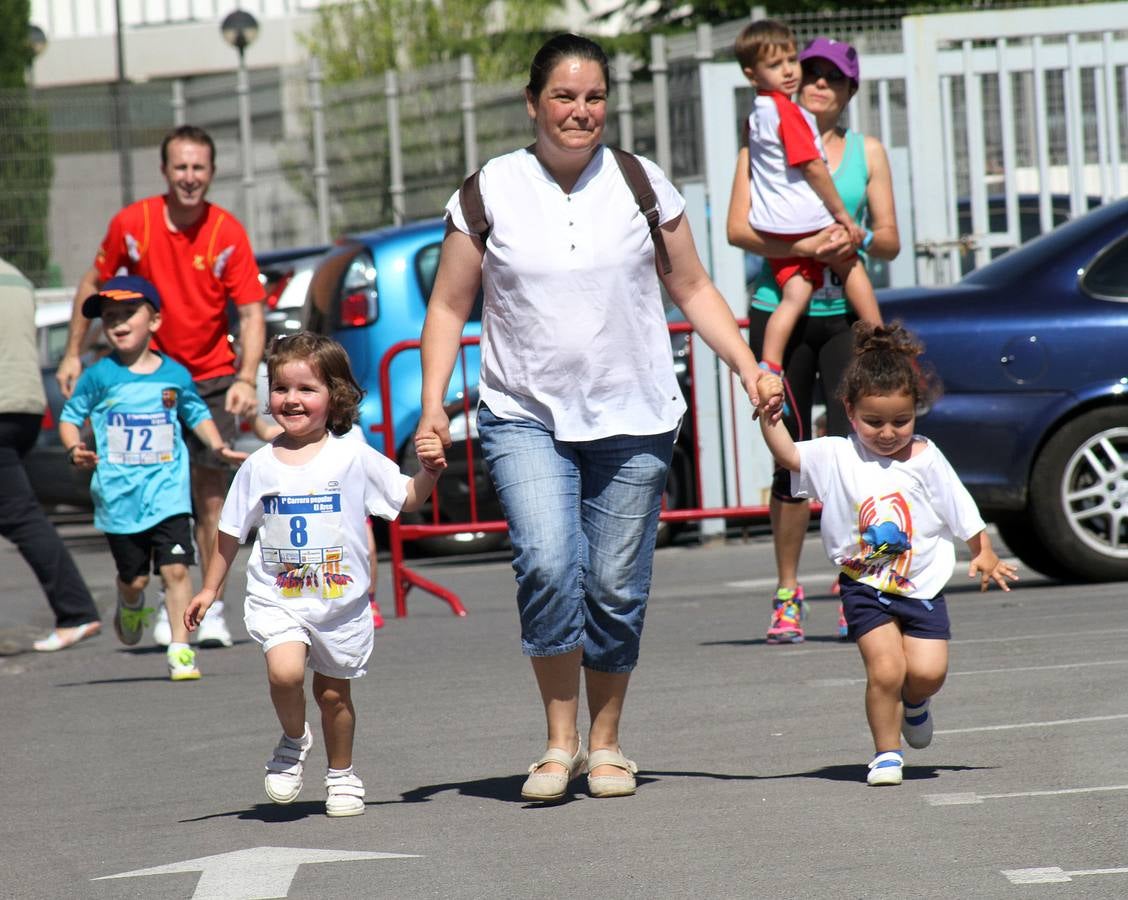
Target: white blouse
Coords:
[[574, 334]]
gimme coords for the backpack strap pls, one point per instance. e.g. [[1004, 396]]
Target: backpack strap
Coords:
[[473, 209], [647, 201]]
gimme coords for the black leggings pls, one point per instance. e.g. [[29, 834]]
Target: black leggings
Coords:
[[819, 346], [23, 522]]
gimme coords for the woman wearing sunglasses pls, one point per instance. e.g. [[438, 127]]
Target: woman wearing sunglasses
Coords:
[[821, 342]]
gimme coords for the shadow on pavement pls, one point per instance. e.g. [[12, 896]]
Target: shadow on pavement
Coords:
[[274, 812], [857, 772], [752, 642]]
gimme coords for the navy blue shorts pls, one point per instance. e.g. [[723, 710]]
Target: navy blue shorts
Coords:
[[867, 608]]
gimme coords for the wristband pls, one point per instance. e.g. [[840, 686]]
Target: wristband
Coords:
[[867, 240], [250, 381], [773, 368], [70, 454]]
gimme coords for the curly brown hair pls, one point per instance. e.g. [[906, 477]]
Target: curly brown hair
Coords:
[[886, 361], [329, 362]]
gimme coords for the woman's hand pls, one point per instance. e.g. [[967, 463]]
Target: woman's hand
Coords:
[[830, 246], [433, 423]]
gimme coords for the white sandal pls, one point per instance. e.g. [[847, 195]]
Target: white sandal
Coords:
[[611, 785], [545, 787], [57, 640], [345, 795]]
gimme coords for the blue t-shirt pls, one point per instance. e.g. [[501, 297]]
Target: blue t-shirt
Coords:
[[142, 473]]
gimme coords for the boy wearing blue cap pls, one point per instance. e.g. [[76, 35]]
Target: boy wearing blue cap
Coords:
[[135, 400]]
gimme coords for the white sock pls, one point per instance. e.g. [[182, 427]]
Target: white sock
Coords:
[[176, 648], [339, 773]]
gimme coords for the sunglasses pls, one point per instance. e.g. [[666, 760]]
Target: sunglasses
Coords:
[[829, 74]]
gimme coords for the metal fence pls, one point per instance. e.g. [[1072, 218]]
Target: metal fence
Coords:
[[330, 159]]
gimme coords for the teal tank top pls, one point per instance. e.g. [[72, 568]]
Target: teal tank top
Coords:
[[850, 178]]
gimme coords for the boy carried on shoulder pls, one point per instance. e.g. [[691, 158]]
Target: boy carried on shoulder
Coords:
[[792, 193]]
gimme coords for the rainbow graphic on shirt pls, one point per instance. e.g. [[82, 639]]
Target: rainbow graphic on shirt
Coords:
[[885, 552]]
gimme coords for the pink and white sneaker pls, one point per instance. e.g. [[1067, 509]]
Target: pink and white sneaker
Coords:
[[789, 610]]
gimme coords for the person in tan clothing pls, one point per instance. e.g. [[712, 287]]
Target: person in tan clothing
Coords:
[[22, 520]]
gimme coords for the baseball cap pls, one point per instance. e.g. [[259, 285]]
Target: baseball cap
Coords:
[[838, 52], [123, 289]]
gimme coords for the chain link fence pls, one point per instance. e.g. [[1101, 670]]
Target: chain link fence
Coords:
[[397, 146]]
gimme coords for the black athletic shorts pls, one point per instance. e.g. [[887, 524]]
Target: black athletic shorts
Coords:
[[166, 543]]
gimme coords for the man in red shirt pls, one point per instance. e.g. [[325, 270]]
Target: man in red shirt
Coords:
[[198, 256]]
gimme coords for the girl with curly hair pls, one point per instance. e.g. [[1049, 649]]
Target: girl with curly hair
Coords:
[[308, 495], [892, 509]]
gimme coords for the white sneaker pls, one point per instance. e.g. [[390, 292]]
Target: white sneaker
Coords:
[[345, 795], [162, 631], [213, 631], [182, 665], [885, 768], [284, 770]]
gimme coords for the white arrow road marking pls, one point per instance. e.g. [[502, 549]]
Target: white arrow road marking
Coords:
[[258, 873], [1053, 874], [968, 798]]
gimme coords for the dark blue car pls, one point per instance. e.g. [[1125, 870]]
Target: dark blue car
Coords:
[[1034, 416]]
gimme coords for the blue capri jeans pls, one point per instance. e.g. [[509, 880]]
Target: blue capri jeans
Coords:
[[583, 519]]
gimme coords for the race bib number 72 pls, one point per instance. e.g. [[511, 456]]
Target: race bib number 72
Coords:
[[139, 439]]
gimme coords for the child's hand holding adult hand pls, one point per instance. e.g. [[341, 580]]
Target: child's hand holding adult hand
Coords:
[[429, 449]]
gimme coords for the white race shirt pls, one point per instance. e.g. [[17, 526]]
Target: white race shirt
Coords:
[[782, 202], [574, 335], [888, 524], [311, 551]]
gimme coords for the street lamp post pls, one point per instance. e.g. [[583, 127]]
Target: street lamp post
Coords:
[[240, 29], [122, 141]]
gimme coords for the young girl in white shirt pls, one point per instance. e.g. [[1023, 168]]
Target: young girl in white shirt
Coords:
[[892, 506], [309, 494]]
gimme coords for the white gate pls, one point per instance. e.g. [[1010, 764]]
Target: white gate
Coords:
[[977, 110], [1030, 55]]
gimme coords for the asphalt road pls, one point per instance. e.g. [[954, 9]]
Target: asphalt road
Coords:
[[752, 757]]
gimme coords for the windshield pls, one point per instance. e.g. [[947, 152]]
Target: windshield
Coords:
[[1032, 259]]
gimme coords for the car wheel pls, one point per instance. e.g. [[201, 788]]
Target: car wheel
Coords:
[[1018, 534], [1079, 496]]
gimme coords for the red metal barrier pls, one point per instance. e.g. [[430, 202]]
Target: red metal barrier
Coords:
[[404, 577]]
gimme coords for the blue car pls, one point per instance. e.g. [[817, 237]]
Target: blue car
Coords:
[[1034, 416], [370, 293]]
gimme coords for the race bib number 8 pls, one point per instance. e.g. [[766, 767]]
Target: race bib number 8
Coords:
[[140, 439], [301, 538], [301, 530]]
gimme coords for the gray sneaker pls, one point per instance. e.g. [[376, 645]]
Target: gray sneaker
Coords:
[[130, 621], [916, 726]]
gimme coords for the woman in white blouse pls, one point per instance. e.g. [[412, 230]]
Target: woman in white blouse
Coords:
[[579, 402]]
